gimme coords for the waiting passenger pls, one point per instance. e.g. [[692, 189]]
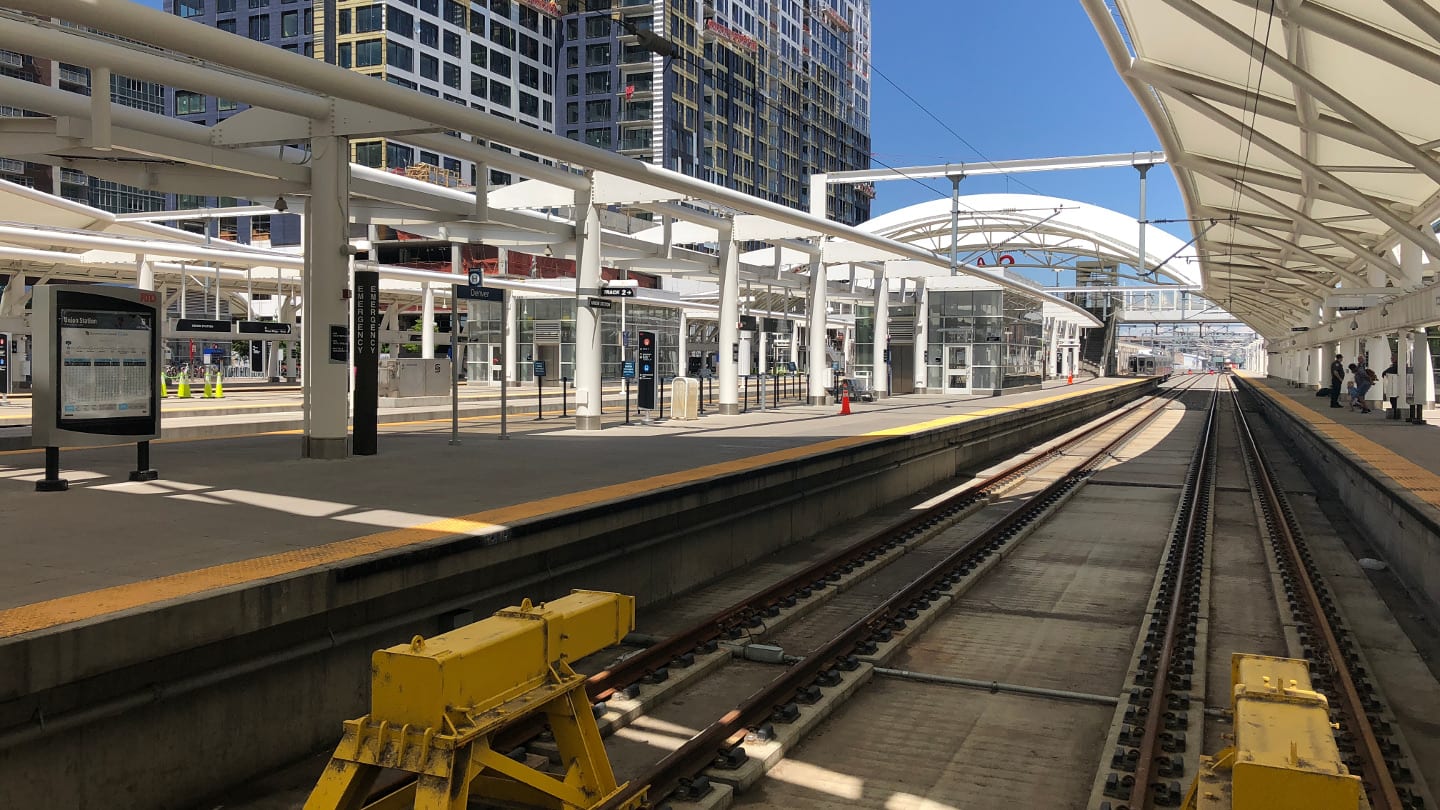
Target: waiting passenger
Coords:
[[1391, 389]]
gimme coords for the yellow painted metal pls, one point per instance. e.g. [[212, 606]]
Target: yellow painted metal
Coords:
[[1284, 756], [437, 703]]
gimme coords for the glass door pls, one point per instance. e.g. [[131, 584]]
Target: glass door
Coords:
[[957, 369]]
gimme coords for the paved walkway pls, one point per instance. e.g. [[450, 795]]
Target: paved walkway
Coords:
[[233, 511]]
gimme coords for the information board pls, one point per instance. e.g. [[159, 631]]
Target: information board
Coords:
[[96, 364], [540, 368], [106, 364], [645, 359], [339, 344], [4, 363]]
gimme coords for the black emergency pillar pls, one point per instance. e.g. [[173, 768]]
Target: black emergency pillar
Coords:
[[367, 363]]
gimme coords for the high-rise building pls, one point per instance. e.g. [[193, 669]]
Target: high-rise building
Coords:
[[761, 93], [496, 56], [68, 183]]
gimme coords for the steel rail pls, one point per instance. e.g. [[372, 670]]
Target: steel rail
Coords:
[[1379, 783], [603, 684], [700, 750], [1195, 524]]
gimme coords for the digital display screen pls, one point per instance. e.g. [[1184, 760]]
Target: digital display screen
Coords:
[[107, 370]]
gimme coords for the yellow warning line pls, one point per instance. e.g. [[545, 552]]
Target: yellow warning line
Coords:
[[1406, 474], [93, 604]]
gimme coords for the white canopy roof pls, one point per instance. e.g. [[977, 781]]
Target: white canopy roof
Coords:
[[1041, 226], [1302, 134]]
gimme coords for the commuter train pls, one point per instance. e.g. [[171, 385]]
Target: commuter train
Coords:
[[1148, 366]]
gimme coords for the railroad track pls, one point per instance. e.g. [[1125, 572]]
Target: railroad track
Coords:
[[1153, 760], [825, 664], [678, 652], [923, 565]]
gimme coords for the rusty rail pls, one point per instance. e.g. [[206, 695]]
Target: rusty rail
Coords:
[[1379, 783]]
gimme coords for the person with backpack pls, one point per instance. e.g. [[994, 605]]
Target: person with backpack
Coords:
[[1360, 383]]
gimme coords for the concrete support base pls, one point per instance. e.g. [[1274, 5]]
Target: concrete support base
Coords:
[[728, 409], [820, 400], [588, 423], [316, 447], [920, 389]]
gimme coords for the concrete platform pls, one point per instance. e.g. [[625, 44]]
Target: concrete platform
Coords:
[[1386, 472], [248, 583]]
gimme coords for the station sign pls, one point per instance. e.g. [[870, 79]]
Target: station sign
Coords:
[[539, 369], [645, 357], [617, 292], [466, 292], [4, 363], [201, 325], [627, 369], [599, 303], [264, 328]]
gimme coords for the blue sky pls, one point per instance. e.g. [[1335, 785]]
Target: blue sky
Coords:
[[1016, 79]]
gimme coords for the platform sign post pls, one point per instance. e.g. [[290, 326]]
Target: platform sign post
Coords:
[[645, 371], [366, 439], [97, 352], [539, 390]]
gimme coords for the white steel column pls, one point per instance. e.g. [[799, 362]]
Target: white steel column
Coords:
[[819, 308], [326, 261], [795, 343], [729, 321], [1377, 348], [509, 327], [881, 381], [588, 392], [427, 321], [922, 342], [144, 273], [682, 348]]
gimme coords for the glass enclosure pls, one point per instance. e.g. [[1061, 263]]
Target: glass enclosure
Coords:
[[983, 341], [546, 331]]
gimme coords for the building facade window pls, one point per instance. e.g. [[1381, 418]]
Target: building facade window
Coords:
[[260, 28], [400, 56], [188, 103], [370, 153], [190, 8], [290, 24], [499, 93], [597, 55], [452, 75], [369, 53], [228, 26], [429, 67], [400, 22], [429, 34], [369, 19], [452, 44]]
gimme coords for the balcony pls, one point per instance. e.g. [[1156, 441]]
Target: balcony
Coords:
[[10, 59], [74, 178]]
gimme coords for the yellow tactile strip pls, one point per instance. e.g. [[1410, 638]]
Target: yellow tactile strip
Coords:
[[104, 601], [1405, 473]]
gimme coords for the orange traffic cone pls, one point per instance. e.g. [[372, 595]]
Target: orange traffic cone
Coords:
[[1070, 379], [845, 402]]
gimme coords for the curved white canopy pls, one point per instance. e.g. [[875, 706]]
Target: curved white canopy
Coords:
[[1047, 229], [1306, 129]]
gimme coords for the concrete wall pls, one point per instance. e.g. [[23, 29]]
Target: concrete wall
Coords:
[[1405, 529], [157, 708]]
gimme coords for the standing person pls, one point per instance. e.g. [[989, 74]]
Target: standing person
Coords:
[[1337, 380], [1391, 389]]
